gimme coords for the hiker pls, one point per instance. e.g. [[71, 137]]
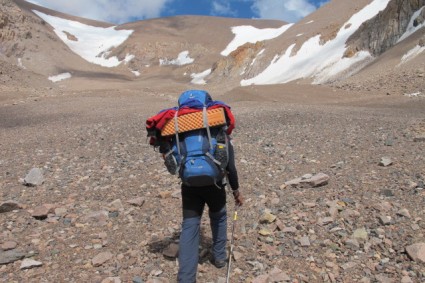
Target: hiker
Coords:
[[197, 189]]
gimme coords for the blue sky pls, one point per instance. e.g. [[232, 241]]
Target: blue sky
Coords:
[[121, 11]]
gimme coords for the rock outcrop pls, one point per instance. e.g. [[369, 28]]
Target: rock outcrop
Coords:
[[383, 31]]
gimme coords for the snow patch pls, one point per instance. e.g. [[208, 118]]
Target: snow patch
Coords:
[[60, 77], [136, 73], [199, 78], [309, 22], [410, 28], [128, 58], [93, 44], [416, 94], [245, 34], [300, 34], [20, 65], [316, 60], [412, 53], [182, 59]]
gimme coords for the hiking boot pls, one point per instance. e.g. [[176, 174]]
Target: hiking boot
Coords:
[[219, 263]]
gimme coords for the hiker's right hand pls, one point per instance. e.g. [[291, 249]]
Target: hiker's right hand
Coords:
[[238, 198]]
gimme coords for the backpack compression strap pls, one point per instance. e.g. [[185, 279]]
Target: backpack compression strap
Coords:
[[206, 125], [176, 127], [204, 112]]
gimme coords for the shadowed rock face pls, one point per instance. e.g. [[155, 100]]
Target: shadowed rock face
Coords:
[[382, 32]]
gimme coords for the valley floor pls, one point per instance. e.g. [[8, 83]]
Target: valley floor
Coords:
[[92, 148]]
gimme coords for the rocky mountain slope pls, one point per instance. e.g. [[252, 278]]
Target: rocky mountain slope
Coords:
[[156, 46]]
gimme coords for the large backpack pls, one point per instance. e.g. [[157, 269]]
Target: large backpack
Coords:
[[200, 156]]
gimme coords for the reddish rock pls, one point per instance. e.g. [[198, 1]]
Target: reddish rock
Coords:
[[416, 252], [101, 258]]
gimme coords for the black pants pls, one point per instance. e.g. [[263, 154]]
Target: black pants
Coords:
[[194, 200]]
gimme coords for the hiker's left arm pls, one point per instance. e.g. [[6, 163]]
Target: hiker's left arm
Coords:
[[232, 172]]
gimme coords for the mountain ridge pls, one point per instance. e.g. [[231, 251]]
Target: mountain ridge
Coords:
[[200, 40]]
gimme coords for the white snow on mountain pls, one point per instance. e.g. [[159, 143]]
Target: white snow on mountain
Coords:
[[245, 34], [182, 59], [91, 43], [412, 53], [411, 29], [199, 78], [60, 77], [315, 60]]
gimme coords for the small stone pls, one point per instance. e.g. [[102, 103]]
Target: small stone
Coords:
[[34, 178], [8, 245], [406, 279], [116, 205], [9, 206], [352, 243], [137, 279], [416, 252], [267, 217], [419, 138], [360, 234], [348, 265], [305, 241], [385, 220], [30, 263], [112, 280], [404, 212], [11, 256], [172, 251], [265, 232], [101, 258], [289, 230], [61, 211], [41, 212], [165, 194], [277, 275], [137, 201], [385, 161], [325, 220], [237, 255]]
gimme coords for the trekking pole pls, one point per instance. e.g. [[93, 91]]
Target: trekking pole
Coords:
[[235, 217]]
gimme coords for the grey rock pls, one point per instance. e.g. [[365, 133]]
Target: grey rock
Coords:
[[11, 256], [305, 241], [419, 138], [309, 180], [30, 263], [385, 220], [360, 234], [137, 279], [385, 161], [9, 206], [137, 201], [34, 177]]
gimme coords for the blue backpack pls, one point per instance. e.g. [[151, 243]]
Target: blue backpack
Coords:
[[200, 157]]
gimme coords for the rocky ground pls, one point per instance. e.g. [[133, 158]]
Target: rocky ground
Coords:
[[102, 207]]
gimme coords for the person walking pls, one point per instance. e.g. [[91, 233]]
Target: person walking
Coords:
[[194, 200], [203, 158]]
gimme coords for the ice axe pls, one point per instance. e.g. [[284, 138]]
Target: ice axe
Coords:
[[235, 217]]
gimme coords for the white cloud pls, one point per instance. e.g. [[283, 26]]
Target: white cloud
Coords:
[[288, 10], [114, 11], [222, 8]]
